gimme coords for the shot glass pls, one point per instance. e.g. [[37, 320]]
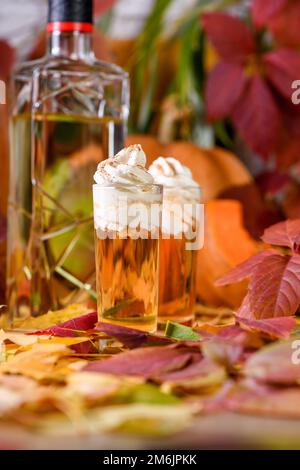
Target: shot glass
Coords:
[[182, 237], [127, 222]]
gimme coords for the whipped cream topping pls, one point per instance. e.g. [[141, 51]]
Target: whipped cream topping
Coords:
[[181, 194], [170, 173], [128, 167], [124, 196]]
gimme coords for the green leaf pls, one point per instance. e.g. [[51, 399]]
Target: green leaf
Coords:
[[147, 393], [184, 333]]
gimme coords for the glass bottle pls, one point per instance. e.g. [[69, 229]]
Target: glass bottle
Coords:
[[69, 112]]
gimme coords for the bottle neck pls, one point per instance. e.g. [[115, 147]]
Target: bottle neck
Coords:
[[75, 45]]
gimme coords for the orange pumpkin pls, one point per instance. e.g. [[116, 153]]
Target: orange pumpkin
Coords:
[[216, 170], [226, 244]]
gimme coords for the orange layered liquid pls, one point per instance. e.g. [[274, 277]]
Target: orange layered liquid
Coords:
[[127, 281], [177, 281]]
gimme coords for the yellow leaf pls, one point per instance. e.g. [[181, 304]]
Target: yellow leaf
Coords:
[[51, 318], [38, 362]]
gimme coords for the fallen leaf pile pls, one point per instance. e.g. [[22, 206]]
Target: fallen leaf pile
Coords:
[[85, 377]]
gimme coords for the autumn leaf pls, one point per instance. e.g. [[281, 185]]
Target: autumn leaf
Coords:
[[285, 26], [261, 400], [224, 86], [225, 352], [38, 362], [73, 327], [279, 327], [256, 116], [130, 337], [273, 364], [285, 233], [282, 68], [231, 38], [51, 318], [274, 289], [150, 362], [204, 374], [244, 269], [263, 10], [181, 332]]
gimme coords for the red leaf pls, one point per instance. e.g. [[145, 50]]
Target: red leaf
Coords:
[[8, 56], [86, 347], [71, 328], [131, 337], [244, 269], [285, 26], [260, 400], [272, 183], [232, 39], [264, 10], [285, 233], [280, 327], [225, 352], [282, 68], [147, 362], [245, 310], [274, 364], [274, 288], [256, 116], [224, 86], [202, 369], [101, 6]]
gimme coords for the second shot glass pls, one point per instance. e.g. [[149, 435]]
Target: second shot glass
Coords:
[[182, 237]]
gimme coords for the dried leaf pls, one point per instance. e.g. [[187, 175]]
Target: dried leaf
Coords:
[[264, 10], [285, 26], [136, 418], [202, 375], [97, 387], [15, 391], [285, 233], [273, 364], [74, 327], [51, 318], [274, 289], [231, 38], [181, 332], [244, 269], [258, 400], [37, 363], [282, 66], [147, 362], [256, 116], [225, 352], [130, 337], [280, 327], [225, 84]]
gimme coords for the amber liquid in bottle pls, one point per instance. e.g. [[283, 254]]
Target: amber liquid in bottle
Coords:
[[66, 120]]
